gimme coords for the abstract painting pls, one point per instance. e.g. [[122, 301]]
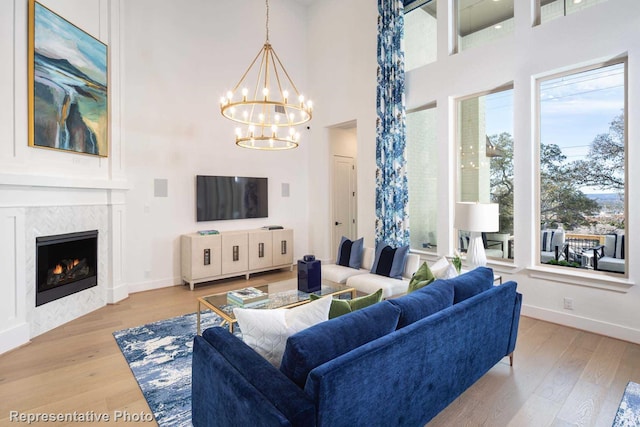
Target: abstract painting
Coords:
[[67, 85]]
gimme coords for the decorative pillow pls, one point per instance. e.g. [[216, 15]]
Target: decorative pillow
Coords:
[[389, 261], [266, 331], [344, 306], [472, 283], [424, 302], [350, 252], [317, 345], [443, 269], [421, 278], [547, 241]]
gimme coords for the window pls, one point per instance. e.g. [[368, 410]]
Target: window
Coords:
[[485, 164], [552, 9], [482, 21], [422, 173], [420, 34], [582, 168]]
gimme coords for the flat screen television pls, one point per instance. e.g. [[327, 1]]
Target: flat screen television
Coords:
[[231, 197]]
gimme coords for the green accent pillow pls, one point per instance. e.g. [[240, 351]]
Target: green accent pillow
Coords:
[[344, 306], [421, 278]]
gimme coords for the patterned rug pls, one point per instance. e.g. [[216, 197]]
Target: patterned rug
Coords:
[[159, 355], [629, 410]]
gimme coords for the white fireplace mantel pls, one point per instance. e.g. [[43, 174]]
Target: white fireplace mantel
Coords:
[[38, 205]]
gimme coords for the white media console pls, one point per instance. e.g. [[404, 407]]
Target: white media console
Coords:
[[234, 253]]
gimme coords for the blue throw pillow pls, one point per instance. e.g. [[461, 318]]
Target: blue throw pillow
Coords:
[[424, 302], [389, 261], [350, 252], [469, 284], [325, 341]]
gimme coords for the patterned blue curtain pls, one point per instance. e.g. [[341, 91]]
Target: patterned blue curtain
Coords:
[[392, 217]]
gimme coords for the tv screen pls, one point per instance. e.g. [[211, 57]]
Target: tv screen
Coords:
[[231, 197]]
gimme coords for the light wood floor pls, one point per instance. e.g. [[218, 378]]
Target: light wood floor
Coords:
[[561, 376]]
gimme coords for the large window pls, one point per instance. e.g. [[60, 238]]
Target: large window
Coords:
[[582, 169], [482, 21], [422, 171], [485, 164], [420, 34], [552, 9]]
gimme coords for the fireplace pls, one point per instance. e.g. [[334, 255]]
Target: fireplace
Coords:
[[65, 264]]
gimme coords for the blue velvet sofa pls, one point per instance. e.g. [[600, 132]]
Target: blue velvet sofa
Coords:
[[396, 363]]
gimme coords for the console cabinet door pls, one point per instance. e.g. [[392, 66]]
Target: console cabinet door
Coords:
[[282, 247], [260, 249], [234, 253], [202, 258]]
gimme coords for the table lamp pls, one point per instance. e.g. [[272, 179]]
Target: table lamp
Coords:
[[477, 218]]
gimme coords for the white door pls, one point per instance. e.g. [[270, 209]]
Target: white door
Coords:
[[344, 199]]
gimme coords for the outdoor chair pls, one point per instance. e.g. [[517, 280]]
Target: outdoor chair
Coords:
[[492, 248], [553, 246], [611, 255]]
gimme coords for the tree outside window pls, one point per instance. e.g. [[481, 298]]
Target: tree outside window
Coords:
[[582, 168]]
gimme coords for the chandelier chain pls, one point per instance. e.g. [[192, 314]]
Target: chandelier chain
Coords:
[[267, 24]]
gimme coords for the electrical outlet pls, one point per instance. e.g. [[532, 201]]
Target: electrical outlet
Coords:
[[568, 303]]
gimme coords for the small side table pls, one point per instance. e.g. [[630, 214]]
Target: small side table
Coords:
[[587, 259]]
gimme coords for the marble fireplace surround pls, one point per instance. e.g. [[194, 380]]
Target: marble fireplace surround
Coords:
[[30, 210]]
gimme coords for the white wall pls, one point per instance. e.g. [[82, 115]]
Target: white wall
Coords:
[[44, 191], [342, 72], [180, 57], [603, 31]]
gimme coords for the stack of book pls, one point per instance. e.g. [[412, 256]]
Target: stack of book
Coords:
[[247, 297]]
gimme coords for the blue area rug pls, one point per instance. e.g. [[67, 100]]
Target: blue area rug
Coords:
[[159, 355], [628, 414]]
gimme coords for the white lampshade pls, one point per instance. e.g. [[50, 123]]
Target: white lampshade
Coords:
[[477, 217]]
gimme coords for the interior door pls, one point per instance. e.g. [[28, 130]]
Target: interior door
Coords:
[[344, 200]]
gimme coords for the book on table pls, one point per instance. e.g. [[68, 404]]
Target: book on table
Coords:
[[247, 297]]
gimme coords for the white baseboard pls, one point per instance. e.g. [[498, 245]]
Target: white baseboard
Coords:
[[14, 337], [117, 294], [152, 284], [583, 323]]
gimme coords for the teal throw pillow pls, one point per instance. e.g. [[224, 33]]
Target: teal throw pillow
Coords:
[[421, 278], [344, 306]]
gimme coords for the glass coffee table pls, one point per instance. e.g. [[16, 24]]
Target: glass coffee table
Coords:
[[282, 294]]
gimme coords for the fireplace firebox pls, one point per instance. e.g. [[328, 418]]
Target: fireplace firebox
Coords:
[[65, 264]]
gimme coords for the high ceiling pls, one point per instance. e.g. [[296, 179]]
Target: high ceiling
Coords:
[[474, 14]]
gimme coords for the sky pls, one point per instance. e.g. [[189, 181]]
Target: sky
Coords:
[[574, 109]]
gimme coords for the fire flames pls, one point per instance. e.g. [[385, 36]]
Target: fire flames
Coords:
[[59, 269]]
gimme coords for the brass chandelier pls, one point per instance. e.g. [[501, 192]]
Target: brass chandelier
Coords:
[[271, 108]]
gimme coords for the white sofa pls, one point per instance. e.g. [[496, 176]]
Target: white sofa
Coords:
[[365, 281]]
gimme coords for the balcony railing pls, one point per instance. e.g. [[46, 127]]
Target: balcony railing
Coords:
[[579, 243]]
